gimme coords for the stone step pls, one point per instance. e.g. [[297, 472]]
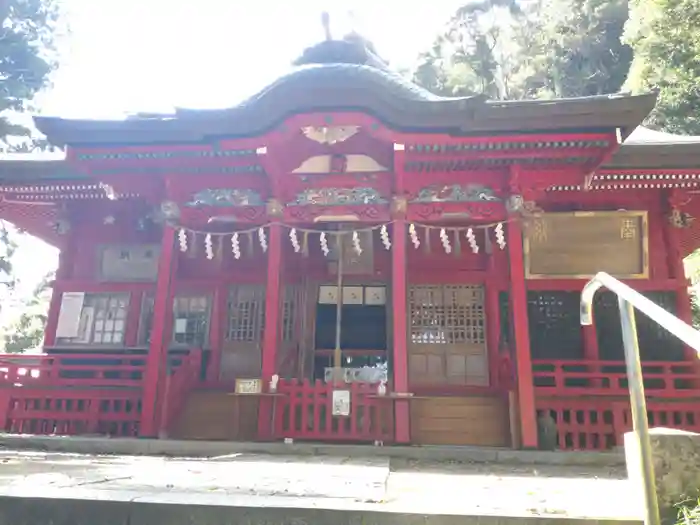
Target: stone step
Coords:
[[251, 489], [191, 448]]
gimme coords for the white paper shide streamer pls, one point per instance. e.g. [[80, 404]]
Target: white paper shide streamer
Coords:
[[471, 239], [324, 244], [209, 247], [235, 246], [500, 236], [384, 234], [263, 239], [445, 240], [294, 240], [356, 243], [414, 236], [182, 239]]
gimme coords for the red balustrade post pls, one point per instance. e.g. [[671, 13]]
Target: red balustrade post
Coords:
[[400, 334], [521, 332], [272, 322], [5, 399], [158, 350]]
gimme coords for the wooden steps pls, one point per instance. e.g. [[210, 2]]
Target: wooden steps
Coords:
[[477, 420], [217, 416]]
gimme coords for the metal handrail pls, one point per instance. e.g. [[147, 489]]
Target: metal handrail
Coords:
[[628, 299]]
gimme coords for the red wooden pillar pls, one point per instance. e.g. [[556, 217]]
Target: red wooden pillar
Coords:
[[219, 322], [272, 321], [676, 269], [521, 333], [150, 413], [493, 317], [133, 319], [400, 335]]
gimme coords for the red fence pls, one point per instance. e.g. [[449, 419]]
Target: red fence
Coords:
[[609, 378], [599, 424], [70, 412], [71, 370], [71, 394], [304, 410]]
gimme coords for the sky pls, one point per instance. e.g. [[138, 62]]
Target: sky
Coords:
[[126, 56]]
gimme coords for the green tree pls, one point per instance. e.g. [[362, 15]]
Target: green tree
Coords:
[[509, 49], [28, 31], [665, 37], [27, 57], [26, 332]]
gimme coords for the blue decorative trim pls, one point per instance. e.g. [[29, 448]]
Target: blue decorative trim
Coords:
[[456, 193], [338, 197], [225, 198]]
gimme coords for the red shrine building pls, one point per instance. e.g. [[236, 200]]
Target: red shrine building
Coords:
[[348, 257]]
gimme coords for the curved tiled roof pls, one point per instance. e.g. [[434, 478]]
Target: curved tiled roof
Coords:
[[343, 75], [649, 149]]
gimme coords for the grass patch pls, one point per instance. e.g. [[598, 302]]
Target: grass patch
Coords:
[[689, 513]]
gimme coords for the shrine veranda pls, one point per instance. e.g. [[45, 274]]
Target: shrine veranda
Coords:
[[346, 257]]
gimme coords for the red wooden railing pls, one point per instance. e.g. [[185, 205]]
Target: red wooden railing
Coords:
[[70, 412], [588, 401], [179, 382], [53, 394], [304, 411], [80, 393], [104, 370], [609, 378], [599, 424]]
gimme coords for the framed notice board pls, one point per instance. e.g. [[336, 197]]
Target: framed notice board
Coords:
[[577, 245]]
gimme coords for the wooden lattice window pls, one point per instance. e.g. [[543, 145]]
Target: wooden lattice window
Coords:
[[447, 314], [291, 312], [506, 324], [555, 325], [447, 335], [101, 320], [191, 320], [655, 342], [246, 313], [146, 320]]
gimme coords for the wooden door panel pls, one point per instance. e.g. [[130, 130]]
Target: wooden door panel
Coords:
[[241, 355], [447, 335]]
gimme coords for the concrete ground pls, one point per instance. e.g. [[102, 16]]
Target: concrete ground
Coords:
[[208, 449], [38, 488]]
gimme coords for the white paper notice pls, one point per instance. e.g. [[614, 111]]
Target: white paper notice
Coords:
[[341, 403], [69, 315], [180, 326]]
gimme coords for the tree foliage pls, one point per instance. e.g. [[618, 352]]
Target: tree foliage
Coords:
[[26, 332], [28, 30], [27, 38], [510, 49], [665, 37]]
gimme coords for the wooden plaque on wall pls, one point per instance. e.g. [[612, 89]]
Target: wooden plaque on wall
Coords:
[[578, 245]]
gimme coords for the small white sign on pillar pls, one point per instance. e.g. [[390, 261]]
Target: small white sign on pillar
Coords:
[[341, 403]]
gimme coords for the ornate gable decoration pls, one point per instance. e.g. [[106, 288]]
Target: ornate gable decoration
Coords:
[[338, 197], [329, 134], [225, 198], [456, 193]]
